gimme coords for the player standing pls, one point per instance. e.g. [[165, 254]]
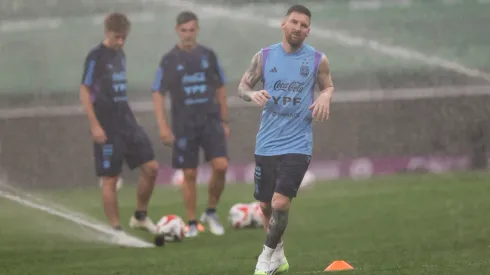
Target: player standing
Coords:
[[116, 134], [193, 76], [289, 71]]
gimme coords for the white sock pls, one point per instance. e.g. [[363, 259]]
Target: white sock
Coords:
[[279, 252], [266, 253]]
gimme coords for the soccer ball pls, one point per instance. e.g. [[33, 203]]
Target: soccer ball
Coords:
[[256, 213], [308, 180], [239, 216], [171, 228]]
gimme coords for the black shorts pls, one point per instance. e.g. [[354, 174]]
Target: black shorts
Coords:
[[281, 174], [209, 136], [134, 148]]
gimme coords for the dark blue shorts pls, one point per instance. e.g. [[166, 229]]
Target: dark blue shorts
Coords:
[[281, 174], [209, 136], [134, 148]]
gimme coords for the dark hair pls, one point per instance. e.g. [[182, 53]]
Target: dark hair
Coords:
[[117, 22], [185, 17], [299, 9]]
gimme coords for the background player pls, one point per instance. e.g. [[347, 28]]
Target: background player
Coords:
[[195, 80], [284, 143], [115, 132]]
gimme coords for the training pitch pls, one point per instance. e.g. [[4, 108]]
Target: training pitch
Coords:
[[411, 224]]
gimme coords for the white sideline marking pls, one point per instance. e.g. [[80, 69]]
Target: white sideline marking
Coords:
[[235, 102], [128, 241]]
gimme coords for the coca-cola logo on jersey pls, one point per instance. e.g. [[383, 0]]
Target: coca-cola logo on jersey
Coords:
[[294, 86]]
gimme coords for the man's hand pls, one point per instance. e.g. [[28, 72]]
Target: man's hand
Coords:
[[98, 134], [321, 106], [260, 97], [226, 128], [167, 137]]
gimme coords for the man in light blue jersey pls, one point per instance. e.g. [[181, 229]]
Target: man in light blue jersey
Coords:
[[289, 71]]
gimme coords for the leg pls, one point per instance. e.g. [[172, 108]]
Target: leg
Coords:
[[265, 183], [109, 198], [146, 183], [266, 211], [278, 220], [189, 193], [217, 182], [292, 168], [108, 166], [213, 142], [140, 154], [215, 152], [185, 156]]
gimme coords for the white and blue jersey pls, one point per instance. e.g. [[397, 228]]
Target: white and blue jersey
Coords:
[[286, 123]]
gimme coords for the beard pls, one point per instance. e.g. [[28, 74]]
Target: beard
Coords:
[[295, 42]]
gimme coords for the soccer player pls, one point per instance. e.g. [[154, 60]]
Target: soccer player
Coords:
[[116, 134], [193, 77], [289, 70]]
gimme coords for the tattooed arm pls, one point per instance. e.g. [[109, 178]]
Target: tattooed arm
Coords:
[[251, 77]]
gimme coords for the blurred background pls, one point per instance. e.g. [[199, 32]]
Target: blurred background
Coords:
[[412, 82]]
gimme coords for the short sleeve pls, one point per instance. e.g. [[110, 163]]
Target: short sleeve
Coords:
[[160, 82], [220, 73], [89, 70]]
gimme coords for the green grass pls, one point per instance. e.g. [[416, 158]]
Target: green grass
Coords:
[[393, 225]]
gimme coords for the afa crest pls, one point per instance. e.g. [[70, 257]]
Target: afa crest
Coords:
[[304, 70], [204, 63]]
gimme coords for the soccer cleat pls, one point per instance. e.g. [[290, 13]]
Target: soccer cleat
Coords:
[[262, 267], [279, 268], [279, 264], [145, 224], [192, 231], [213, 223]]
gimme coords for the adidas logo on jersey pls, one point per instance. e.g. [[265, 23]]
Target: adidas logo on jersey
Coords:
[[273, 70]]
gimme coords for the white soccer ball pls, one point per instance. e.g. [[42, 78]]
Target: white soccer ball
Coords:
[[256, 213], [239, 216], [171, 227], [119, 183]]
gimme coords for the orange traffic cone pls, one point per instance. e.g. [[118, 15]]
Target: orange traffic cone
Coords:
[[338, 265]]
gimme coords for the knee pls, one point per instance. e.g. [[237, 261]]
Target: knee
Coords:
[[266, 209], [220, 165], [109, 182], [190, 175], [151, 168], [280, 202]]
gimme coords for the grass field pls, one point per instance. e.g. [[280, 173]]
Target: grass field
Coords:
[[412, 224]]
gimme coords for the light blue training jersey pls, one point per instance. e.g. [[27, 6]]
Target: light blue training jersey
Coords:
[[289, 78]]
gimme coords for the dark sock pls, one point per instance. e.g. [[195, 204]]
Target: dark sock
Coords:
[[192, 222], [140, 214], [117, 227], [210, 211], [277, 226]]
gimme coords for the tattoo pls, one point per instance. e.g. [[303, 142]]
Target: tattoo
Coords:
[[251, 77], [277, 226], [324, 79]]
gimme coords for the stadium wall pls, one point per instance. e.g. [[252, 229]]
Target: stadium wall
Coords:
[[56, 151]]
